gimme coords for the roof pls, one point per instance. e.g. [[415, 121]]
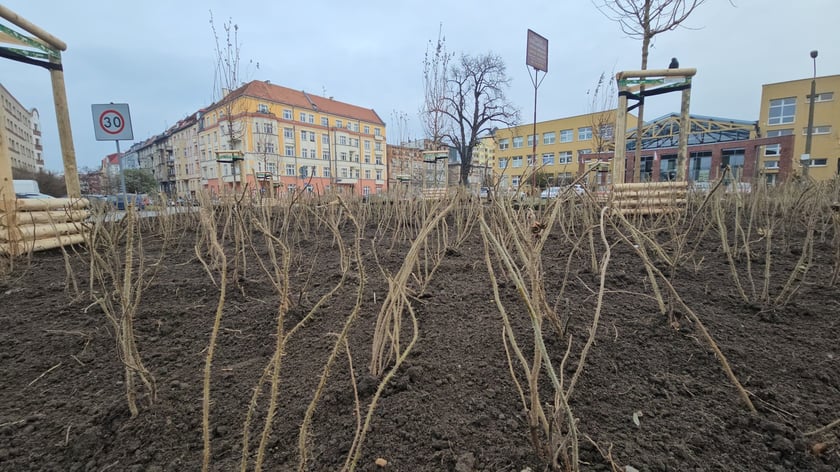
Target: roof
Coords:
[[299, 99], [663, 132]]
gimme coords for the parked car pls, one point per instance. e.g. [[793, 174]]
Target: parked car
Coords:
[[118, 202], [554, 192], [33, 195], [550, 192]]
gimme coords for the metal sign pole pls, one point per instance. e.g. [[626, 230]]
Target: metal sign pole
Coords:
[[122, 169]]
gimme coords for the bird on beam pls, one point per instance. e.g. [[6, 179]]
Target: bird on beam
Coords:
[[675, 64]]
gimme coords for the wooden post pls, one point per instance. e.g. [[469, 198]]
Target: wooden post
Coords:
[[620, 139], [685, 130], [65, 134]]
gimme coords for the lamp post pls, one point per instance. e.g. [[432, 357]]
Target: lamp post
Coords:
[[806, 157]]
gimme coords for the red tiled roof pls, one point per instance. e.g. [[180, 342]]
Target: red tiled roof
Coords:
[[299, 99]]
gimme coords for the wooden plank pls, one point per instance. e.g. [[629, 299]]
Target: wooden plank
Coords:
[[22, 247], [47, 204], [38, 231], [649, 185], [47, 216]]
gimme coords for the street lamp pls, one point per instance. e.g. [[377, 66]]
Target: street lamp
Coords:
[[806, 157]]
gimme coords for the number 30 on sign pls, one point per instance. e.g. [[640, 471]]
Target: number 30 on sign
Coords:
[[112, 122]]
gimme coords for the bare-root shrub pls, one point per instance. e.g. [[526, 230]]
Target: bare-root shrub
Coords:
[[119, 274], [553, 432], [626, 227], [386, 338]]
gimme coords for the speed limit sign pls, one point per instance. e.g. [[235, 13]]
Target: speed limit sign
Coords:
[[112, 122]]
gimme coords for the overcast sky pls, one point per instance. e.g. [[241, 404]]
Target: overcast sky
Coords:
[[158, 56]]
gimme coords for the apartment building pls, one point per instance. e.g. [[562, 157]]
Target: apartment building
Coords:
[[275, 139], [784, 111], [21, 129], [560, 145]]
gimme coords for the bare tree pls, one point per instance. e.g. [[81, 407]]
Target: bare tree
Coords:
[[474, 101], [435, 66], [233, 121], [644, 19], [602, 113]]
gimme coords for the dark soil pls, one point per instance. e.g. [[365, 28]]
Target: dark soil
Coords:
[[453, 404]]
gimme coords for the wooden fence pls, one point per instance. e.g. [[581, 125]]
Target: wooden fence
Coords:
[[28, 225]]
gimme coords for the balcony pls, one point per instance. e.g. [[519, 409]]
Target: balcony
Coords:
[[232, 178]]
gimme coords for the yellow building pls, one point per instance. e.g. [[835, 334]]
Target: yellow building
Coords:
[[784, 111], [278, 139], [561, 145]]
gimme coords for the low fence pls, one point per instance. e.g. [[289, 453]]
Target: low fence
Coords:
[[28, 225], [648, 198]]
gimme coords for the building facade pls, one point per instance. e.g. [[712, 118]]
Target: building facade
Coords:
[[784, 112], [560, 145], [275, 139], [22, 132]]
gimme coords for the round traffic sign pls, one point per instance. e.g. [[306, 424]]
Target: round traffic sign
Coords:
[[111, 121]]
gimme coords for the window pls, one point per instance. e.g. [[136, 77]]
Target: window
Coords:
[[367, 173], [782, 111], [779, 132], [356, 127], [325, 139], [819, 162], [817, 130], [376, 132], [771, 164], [304, 153], [772, 149], [342, 140], [311, 118], [517, 161], [325, 121], [339, 123], [367, 129], [290, 169], [530, 140], [268, 128], [378, 146], [303, 117], [548, 138], [514, 181], [314, 174], [517, 142], [269, 148], [367, 158], [342, 155], [343, 172], [303, 135], [504, 143], [367, 145], [366, 191], [503, 163], [287, 114], [821, 97], [325, 155], [290, 151], [581, 152], [548, 158], [303, 172], [262, 108], [584, 133], [291, 188], [288, 133], [606, 131], [311, 136], [378, 174], [356, 172], [325, 171], [564, 157], [566, 136], [379, 159]]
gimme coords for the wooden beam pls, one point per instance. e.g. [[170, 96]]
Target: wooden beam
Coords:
[[39, 33]]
